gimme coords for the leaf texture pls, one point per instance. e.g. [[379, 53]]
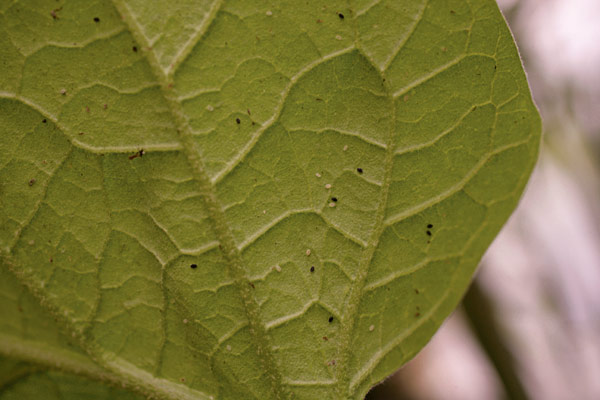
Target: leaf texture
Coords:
[[257, 200]]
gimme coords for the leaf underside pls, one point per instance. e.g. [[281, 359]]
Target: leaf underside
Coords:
[[246, 200]]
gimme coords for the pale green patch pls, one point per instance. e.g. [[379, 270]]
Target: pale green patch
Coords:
[[234, 199]]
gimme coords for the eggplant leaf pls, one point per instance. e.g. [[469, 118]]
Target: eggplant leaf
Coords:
[[248, 199]]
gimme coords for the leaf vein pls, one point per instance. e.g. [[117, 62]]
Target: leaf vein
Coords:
[[271, 121], [400, 45], [370, 365], [351, 310], [185, 51], [457, 187]]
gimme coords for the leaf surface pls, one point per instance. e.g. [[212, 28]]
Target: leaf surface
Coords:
[[233, 199]]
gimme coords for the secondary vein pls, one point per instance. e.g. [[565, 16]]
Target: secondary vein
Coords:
[[350, 314]]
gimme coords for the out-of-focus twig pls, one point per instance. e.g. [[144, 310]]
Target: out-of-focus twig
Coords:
[[390, 389], [480, 312]]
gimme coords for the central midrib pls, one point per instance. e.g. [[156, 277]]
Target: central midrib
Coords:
[[224, 235]]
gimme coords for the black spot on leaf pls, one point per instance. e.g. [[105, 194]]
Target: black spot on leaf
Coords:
[[359, 170], [194, 266], [330, 319], [96, 19]]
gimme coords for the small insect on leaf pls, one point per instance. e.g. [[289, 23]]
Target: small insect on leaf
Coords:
[[140, 153]]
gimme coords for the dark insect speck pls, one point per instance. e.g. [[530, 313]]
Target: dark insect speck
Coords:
[[44, 121], [330, 319], [359, 170], [312, 269], [96, 19], [334, 199], [135, 49], [428, 233], [136, 155], [429, 226], [237, 120], [194, 266], [53, 13], [341, 15]]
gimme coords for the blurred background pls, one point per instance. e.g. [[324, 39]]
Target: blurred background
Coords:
[[529, 327]]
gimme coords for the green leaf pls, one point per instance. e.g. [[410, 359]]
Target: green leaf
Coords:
[[234, 199]]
